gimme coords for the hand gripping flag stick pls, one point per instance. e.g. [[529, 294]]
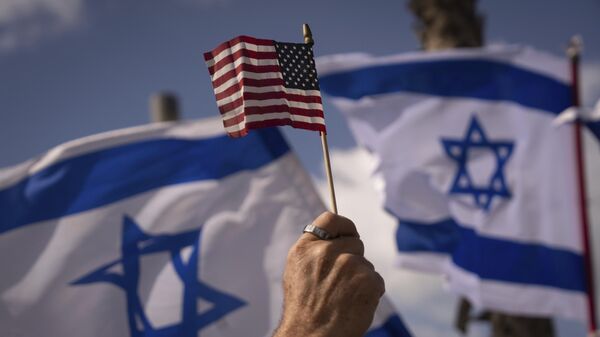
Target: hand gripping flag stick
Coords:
[[308, 39], [261, 83]]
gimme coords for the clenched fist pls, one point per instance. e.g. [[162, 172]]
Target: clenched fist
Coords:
[[330, 289]]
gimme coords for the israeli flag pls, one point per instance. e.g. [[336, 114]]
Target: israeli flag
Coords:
[[159, 230], [482, 183]]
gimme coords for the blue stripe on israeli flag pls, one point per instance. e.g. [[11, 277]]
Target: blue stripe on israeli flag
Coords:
[[105, 176], [492, 258], [483, 79]]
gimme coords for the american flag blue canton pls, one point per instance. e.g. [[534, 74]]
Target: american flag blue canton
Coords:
[[297, 65]]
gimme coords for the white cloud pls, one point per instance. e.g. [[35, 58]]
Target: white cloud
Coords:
[[25, 22], [420, 298]]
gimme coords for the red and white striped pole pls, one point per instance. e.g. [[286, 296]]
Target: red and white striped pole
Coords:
[[574, 53]]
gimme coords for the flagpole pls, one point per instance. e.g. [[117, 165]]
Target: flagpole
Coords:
[[328, 170], [308, 39], [574, 53]]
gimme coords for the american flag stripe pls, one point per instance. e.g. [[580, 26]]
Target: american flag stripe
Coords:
[[227, 67], [263, 96], [251, 90], [222, 84], [226, 57], [262, 80], [272, 109], [235, 131], [242, 56], [228, 49], [251, 86], [273, 115], [234, 91], [254, 106], [238, 130], [248, 71], [231, 44]]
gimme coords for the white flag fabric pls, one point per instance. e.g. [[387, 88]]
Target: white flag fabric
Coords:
[[482, 183], [159, 230], [584, 114]]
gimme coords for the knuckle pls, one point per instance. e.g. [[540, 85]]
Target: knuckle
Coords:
[[367, 274], [346, 260], [365, 277], [320, 249], [346, 224], [321, 259], [296, 252], [350, 244], [325, 217], [360, 246], [328, 217], [349, 263], [379, 282], [321, 253], [336, 223], [369, 285], [369, 264]]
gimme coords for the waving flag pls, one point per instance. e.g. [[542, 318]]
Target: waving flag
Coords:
[[260, 83], [481, 182], [160, 230]]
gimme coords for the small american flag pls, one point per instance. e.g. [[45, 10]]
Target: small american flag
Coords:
[[260, 83]]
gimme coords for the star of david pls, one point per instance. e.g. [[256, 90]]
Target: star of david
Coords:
[[459, 149], [135, 244]]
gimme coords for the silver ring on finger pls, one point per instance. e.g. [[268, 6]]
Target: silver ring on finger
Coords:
[[318, 232]]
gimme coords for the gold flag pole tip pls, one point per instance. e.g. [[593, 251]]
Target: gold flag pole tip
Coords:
[[308, 39]]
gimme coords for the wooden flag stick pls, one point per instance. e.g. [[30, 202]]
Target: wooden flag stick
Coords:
[[328, 170], [308, 39]]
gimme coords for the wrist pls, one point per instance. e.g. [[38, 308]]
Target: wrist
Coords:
[[299, 329]]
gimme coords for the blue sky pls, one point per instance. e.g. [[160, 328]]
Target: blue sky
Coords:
[[71, 68]]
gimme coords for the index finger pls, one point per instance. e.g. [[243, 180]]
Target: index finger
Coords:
[[335, 225]]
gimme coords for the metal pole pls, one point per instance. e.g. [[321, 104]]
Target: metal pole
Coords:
[[574, 53], [164, 107]]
